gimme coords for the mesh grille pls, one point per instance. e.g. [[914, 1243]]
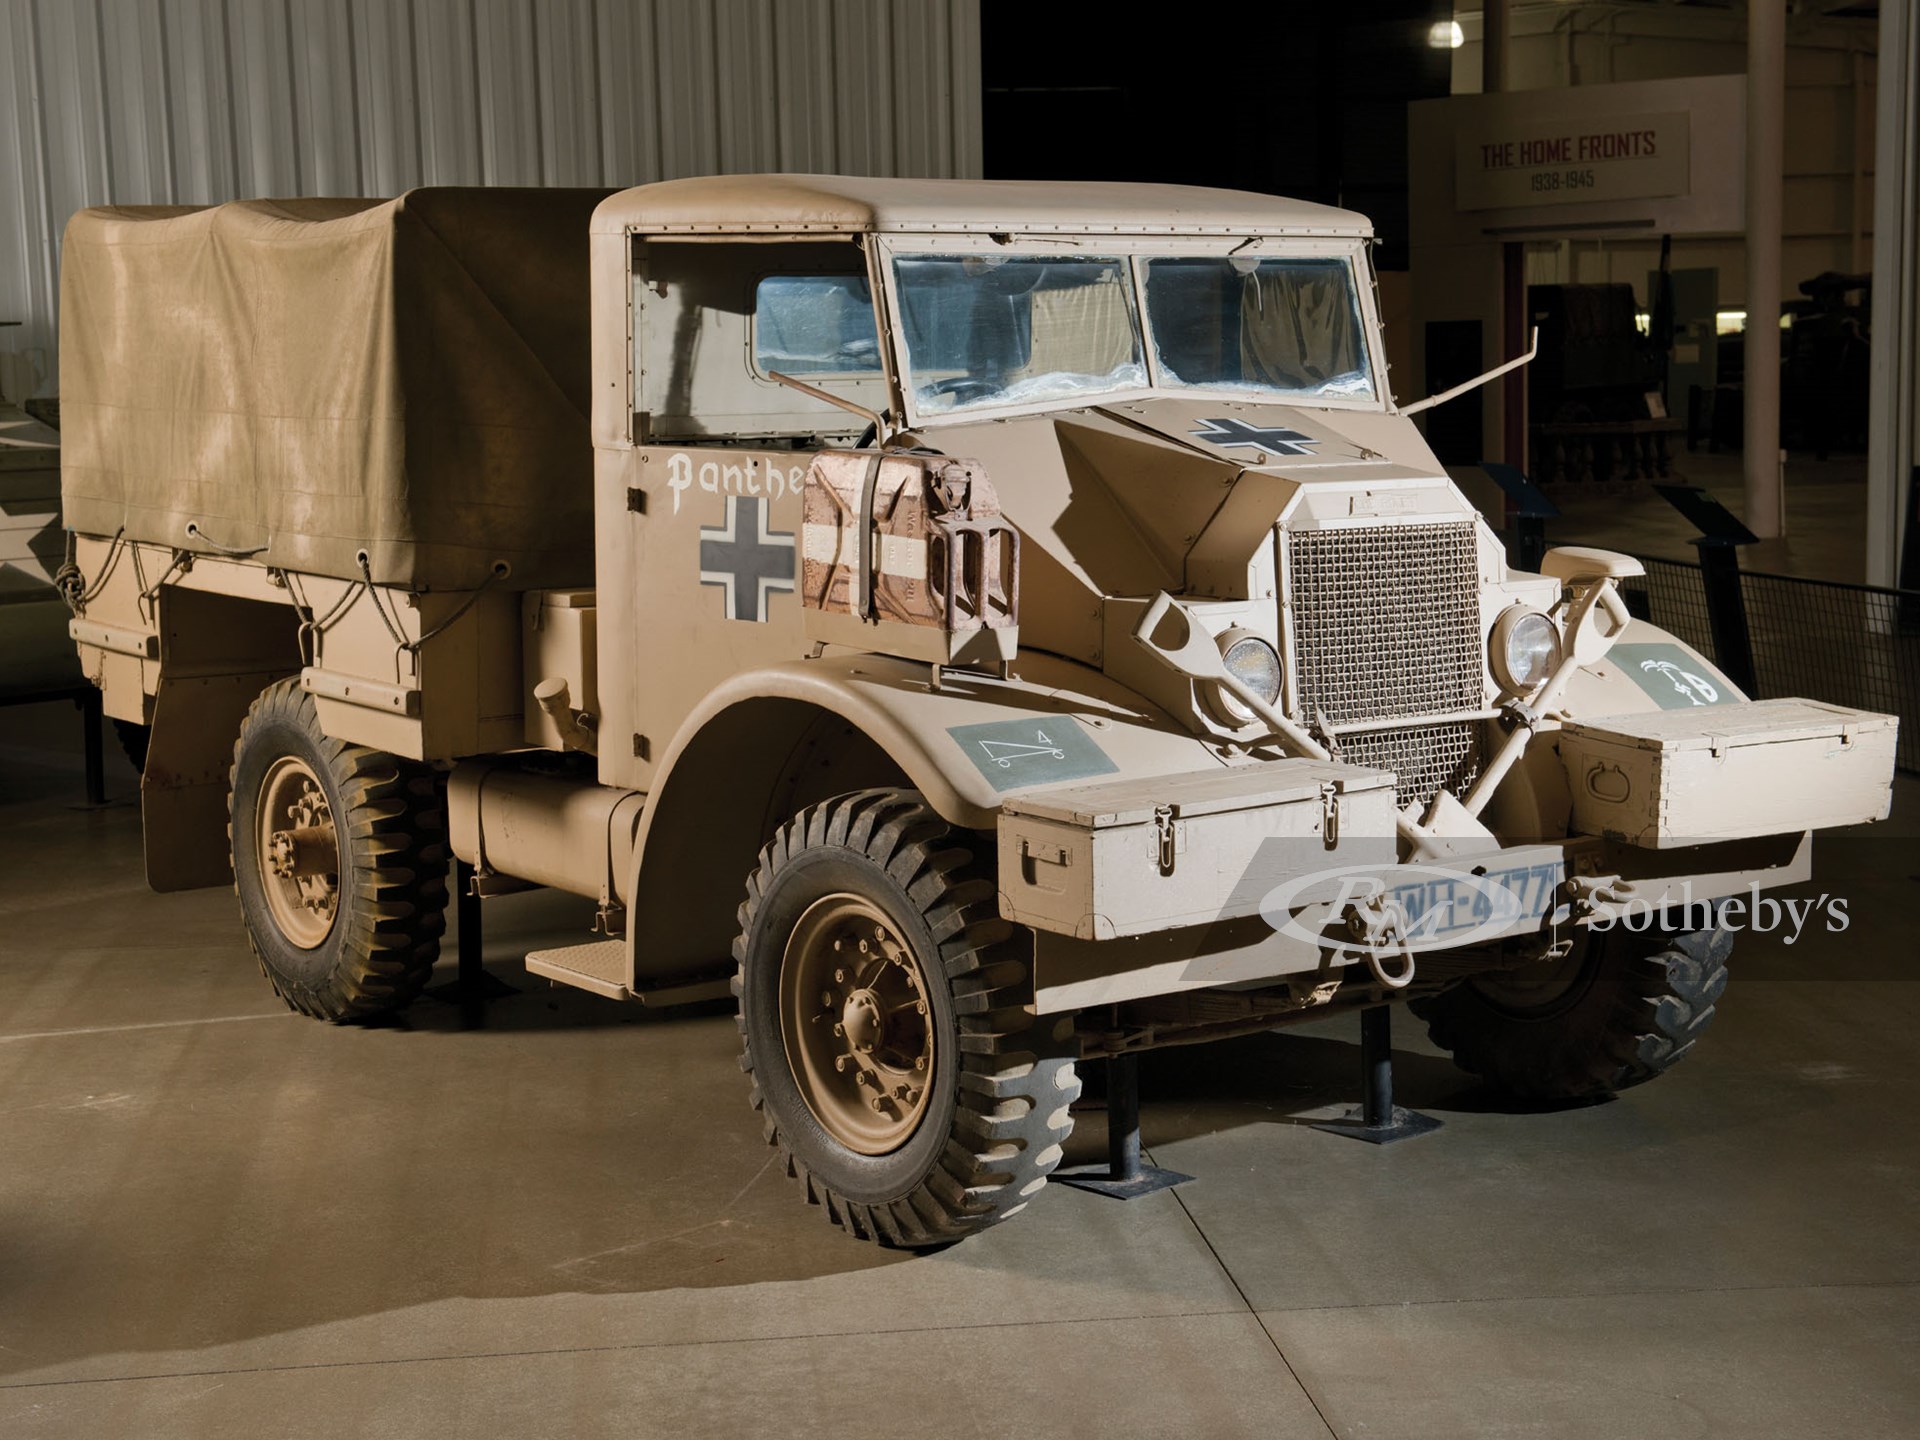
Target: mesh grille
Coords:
[[1386, 622], [1422, 759]]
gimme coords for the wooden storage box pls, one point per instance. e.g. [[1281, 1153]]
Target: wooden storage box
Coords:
[[1129, 857], [1728, 772]]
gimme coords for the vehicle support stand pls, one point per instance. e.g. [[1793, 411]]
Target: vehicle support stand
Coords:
[[1378, 1120], [473, 985], [1126, 1176], [91, 725]]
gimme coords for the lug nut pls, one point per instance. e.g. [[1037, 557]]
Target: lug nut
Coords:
[[839, 976]]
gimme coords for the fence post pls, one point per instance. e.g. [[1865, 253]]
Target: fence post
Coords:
[[1721, 536], [1909, 578]]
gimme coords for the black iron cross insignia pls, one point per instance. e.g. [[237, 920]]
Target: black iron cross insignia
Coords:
[[1237, 434], [745, 559]]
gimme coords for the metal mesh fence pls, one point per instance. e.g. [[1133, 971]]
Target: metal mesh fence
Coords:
[[1845, 644], [1676, 600], [1856, 645]]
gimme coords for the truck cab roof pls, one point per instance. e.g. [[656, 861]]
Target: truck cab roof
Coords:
[[850, 205]]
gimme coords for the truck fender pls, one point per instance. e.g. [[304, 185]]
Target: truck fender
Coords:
[[1644, 666], [769, 742]]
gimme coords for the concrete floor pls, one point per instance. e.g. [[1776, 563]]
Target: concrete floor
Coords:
[[218, 1219]]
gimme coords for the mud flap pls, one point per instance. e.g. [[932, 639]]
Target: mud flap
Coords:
[[183, 791]]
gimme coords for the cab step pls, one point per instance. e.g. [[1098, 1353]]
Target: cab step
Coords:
[[601, 967]]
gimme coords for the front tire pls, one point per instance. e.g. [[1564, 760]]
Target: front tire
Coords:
[[339, 860], [1621, 1009], [887, 1028]]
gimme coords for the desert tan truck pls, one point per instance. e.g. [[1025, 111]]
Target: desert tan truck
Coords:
[[987, 625]]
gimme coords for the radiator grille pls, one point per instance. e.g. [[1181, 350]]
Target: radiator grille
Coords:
[[1422, 759], [1386, 622]]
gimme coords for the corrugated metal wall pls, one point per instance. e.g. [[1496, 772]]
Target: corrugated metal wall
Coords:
[[197, 101]]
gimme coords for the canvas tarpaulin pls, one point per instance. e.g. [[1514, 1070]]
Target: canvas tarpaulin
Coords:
[[409, 378]]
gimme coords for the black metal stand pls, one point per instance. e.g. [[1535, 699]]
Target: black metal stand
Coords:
[[91, 725], [474, 985], [1378, 1120], [1126, 1176]]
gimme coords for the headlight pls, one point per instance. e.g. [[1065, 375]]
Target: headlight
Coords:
[[1256, 665], [1524, 649]]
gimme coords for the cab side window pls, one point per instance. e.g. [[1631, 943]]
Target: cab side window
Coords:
[[714, 318], [815, 325]]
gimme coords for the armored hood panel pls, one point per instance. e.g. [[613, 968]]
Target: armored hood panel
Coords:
[[1143, 496], [1302, 442]]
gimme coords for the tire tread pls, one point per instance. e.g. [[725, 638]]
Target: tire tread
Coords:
[[393, 833], [1016, 1069], [1644, 1017]]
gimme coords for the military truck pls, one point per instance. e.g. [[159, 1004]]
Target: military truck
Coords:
[[984, 626]]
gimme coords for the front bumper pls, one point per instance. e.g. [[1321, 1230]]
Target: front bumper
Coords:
[[1147, 886], [1073, 973]]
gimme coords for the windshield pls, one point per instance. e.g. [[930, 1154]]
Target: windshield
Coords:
[[990, 330], [1016, 329], [1285, 325]]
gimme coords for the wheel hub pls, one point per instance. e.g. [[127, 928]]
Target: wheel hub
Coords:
[[298, 849], [862, 1020], [854, 1016]]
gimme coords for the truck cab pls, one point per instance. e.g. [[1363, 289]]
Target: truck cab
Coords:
[[1006, 625]]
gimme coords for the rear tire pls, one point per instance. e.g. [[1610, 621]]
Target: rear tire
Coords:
[[339, 860], [870, 905], [1618, 1011]]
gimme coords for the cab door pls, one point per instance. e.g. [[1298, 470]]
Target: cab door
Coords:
[[698, 503]]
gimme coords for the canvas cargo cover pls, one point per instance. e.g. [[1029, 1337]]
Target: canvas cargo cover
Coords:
[[407, 377]]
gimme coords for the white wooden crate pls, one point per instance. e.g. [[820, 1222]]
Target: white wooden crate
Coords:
[[1666, 778], [1130, 857]]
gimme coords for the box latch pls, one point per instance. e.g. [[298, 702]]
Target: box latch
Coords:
[[1166, 836], [1329, 813]]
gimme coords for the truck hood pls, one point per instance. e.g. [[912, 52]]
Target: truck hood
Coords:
[[1286, 439], [1135, 497]]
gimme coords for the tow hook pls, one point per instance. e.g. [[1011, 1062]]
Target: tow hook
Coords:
[[1380, 925], [1592, 895]]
